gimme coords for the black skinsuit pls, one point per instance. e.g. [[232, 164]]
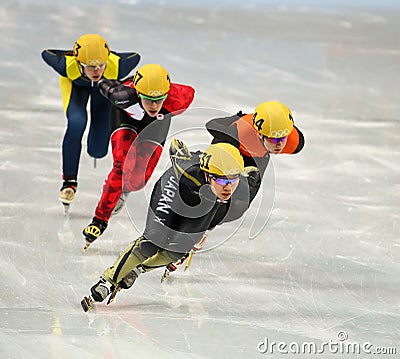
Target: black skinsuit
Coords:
[[182, 208]]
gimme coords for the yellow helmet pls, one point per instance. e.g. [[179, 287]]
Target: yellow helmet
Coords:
[[222, 159], [152, 80], [91, 50], [273, 119]]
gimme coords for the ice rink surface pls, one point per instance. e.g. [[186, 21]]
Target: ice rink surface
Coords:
[[320, 263]]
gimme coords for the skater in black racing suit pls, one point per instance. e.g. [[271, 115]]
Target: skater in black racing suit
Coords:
[[183, 205], [269, 130]]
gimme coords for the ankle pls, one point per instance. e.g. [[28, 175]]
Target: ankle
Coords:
[[69, 183]]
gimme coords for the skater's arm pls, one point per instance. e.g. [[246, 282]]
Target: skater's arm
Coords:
[[118, 93], [56, 59], [179, 98], [224, 129], [295, 142], [127, 62]]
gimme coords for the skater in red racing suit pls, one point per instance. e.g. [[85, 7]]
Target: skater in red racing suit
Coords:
[[140, 120]]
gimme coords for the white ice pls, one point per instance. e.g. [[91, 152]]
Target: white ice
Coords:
[[326, 263]]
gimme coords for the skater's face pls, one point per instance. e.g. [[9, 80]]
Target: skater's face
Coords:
[[94, 73], [223, 187], [152, 106], [274, 145]]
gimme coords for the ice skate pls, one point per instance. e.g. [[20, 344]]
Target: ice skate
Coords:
[[190, 256], [87, 245], [87, 303], [198, 246], [126, 283], [165, 275], [129, 279], [172, 267], [113, 294], [67, 193], [93, 231], [100, 291]]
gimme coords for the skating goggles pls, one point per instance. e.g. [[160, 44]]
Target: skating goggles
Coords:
[[94, 68], [224, 181], [150, 100], [273, 140]]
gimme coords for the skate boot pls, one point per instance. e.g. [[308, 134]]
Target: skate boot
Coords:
[[125, 283], [129, 279], [173, 266], [93, 231], [67, 193], [120, 204], [99, 292]]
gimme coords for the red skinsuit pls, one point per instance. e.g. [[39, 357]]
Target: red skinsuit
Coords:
[[136, 151]]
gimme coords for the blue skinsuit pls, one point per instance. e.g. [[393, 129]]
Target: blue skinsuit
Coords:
[[76, 89]]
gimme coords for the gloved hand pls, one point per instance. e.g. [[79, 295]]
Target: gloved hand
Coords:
[[202, 242], [249, 169], [179, 150]]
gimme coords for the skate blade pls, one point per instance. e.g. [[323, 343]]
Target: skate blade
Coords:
[[87, 303], [87, 245], [66, 209], [165, 276], [189, 260], [113, 295]]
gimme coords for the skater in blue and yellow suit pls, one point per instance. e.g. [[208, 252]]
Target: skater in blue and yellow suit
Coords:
[[80, 70]]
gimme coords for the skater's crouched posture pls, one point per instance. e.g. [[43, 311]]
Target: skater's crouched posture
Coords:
[[81, 69], [195, 193], [269, 130]]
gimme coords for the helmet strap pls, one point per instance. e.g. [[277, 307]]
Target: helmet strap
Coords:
[[207, 176], [81, 69]]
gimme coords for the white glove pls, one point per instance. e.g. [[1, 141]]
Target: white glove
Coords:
[[202, 242]]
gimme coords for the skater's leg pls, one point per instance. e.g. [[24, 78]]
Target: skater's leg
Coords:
[[99, 130], [74, 100], [161, 259], [131, 257], [121, 141]]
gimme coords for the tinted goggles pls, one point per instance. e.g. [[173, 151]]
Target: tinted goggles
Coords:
[[151, 100], [93, 68], [224, 181], [274, 140]]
